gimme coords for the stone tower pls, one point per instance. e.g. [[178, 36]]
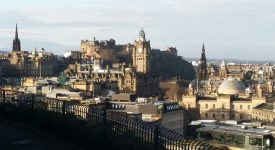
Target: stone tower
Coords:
[[16, 42], [223, 70], [141, 53], [202, 70]]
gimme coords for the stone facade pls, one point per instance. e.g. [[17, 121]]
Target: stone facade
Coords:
[[31, 64], [264, 112], [141, 54], [229, 102], [137, 78], [25, 63], [222, 108], [89, 49]]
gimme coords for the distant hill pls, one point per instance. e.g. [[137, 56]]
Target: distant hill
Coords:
[[29, 45], [237, 61], [4, 52]]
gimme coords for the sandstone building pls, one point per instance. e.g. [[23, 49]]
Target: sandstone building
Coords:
[[230, 102], [137, 78], [35, 63]]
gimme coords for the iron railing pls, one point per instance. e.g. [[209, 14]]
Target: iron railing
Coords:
[[126, 128]]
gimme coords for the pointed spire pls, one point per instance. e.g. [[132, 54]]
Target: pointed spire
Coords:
[[203, 49], [16, 42], [202, 73], [16, 32]]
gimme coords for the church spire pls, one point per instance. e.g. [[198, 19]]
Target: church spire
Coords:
[[16, 32], [16, 42], [202, 69], [203, 49]]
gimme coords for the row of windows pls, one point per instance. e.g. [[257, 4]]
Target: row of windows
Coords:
[[223, 106], [263, 114], [223, 116], [140, 59]]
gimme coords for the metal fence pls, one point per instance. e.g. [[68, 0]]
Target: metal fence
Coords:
[[152, 135]]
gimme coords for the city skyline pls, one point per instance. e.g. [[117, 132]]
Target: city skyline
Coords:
[[230, 29]]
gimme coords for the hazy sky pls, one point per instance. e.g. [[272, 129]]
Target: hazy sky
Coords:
[[230, 28]]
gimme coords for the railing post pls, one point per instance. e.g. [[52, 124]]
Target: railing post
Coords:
[[32, 102], [3, 103], [105, 118], [4, 97], [63, 108], [156, 138]]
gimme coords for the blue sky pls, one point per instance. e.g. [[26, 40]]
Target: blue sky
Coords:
[[242, 29]]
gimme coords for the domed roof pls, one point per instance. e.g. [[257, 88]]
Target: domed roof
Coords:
[[231, 86], [142, 35]]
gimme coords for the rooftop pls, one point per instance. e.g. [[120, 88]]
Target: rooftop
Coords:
[[265, 106], [231, 86]]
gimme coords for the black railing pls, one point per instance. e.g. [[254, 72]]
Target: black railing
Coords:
[[127, 130]]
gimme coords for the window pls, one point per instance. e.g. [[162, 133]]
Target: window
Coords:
[[206, 115], [206, 106], [214, 115], [189, 105], [223, 106], [232, 116], [248, 107], [241, 116], [213, 106], [241, 106], [223, 116]]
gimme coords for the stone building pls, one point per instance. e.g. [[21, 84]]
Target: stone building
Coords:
[[36, 63], [141, 54], [264, 113], [89, 49], [137, 78], [229, 102], [235, 71]]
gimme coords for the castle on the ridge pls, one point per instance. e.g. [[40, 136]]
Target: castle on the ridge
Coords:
[[138, 77]]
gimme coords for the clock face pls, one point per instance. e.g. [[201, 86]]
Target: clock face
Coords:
[[140, 50]]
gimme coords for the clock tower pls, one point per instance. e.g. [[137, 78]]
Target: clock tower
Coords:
[[141, 53]]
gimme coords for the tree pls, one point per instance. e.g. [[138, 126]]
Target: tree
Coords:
[[62, 79]]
